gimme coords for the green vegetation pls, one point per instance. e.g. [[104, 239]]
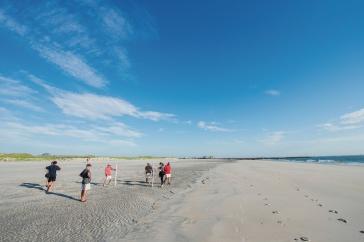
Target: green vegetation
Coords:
[[29, 157], [49, 157]]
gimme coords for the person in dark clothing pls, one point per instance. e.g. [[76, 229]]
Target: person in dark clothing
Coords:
[[148, 173], [161, 173], [86, 182], [52, 175]]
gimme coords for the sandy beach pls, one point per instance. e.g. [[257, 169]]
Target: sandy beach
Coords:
[[209, 200]]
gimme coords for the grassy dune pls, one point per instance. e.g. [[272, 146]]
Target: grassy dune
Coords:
[[48, 157]]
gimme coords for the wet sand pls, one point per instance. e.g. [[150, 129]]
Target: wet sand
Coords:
[[208, 201]]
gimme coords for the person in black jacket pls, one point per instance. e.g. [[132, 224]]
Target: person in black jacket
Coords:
[[86, 182], [51, 175]]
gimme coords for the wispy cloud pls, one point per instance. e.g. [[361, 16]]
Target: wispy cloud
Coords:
[[93, 106], [115, 23], [273, 138], [12, 87], [11, 24], [60, 38], [353, 120], [5, 114], [73, 65], [337, 127], [24, 104], [272, 92], [17, 129], [16, 93], [123, 58], [119, 129], [211, 126]]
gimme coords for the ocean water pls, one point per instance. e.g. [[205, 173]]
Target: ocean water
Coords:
[[345, 160]]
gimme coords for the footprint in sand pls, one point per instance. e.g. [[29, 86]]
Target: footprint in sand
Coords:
[[275, 212], [188, 221], [306, 196], [251, 185], [266, 204], [361, 231], [333, 211], [303, 238], [154, 206], [342, 220], [320, 205], [265, 199]]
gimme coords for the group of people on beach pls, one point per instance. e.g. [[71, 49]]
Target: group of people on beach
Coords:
[[165, 174]]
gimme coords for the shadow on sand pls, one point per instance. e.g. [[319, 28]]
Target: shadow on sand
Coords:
[[92, 183], [32, 185], [40, 187], [135, 183]]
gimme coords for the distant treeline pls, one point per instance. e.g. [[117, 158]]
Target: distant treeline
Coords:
[[47, 156]]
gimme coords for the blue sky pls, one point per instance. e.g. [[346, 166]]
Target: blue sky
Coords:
[[182, 78]]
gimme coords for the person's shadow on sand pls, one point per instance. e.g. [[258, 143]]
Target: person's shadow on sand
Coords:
[[92, 183], [32, 185], [40, 187], [134, 183]]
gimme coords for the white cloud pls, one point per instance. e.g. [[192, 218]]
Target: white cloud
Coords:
[[155, 116], [11, 24], [356, 117], [12, 87], [90, 134], [212, 126], [24, 104], [353, 120], [273, 138], [122, 57], [60, 37], [272, 92], [337, 127], [62, 21], [5, 114], [15, 93], [119, 129], [115, 23], [92, 106], [73, 65]]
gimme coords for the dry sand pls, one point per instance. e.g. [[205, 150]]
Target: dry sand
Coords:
[[257, 201]]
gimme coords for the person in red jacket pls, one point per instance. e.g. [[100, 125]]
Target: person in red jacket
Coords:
[[167, 172], [108, 172]]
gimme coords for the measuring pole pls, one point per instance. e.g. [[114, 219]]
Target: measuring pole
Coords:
[[152, 173], [116, 174]]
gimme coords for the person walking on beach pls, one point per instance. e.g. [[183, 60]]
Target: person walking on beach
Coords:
[[168, 171], [86, 182], [51, 175], [148, 172], [161, 173], [108, 173]]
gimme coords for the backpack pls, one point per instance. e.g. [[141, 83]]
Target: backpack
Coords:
[[84, 174]]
